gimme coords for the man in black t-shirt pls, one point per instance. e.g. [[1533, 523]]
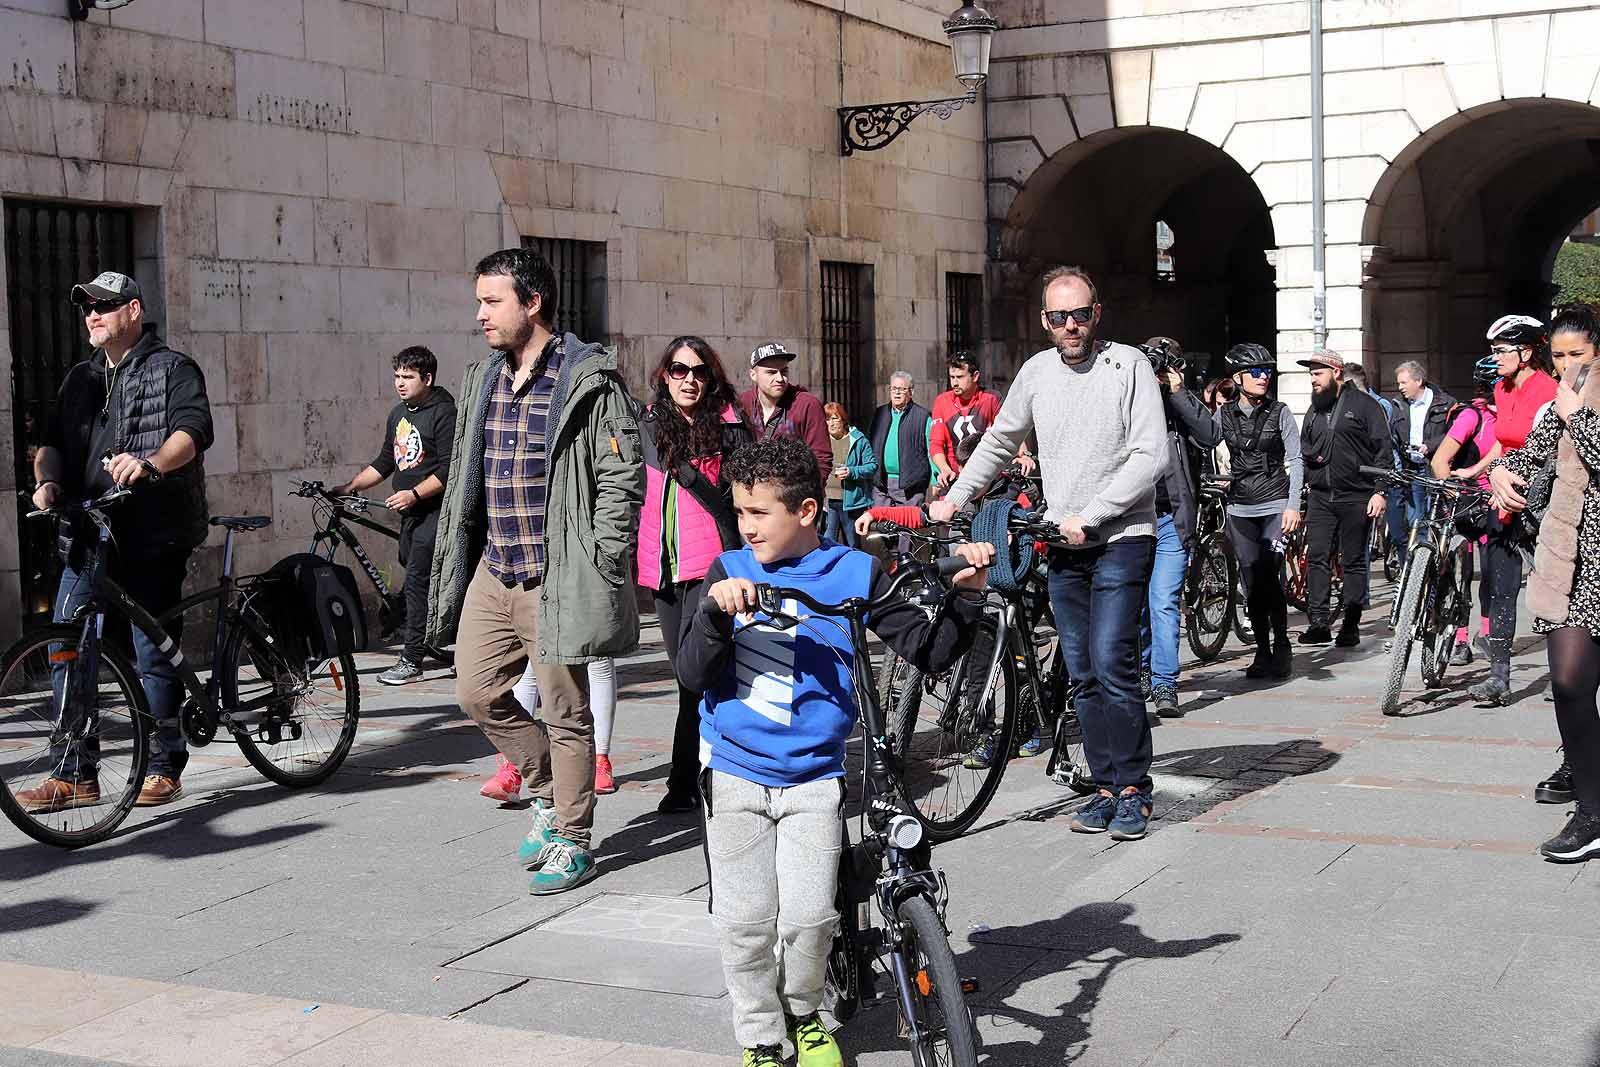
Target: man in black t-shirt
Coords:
[[417, 443]]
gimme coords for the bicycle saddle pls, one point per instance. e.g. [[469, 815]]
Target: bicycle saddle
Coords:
[[242, 522]]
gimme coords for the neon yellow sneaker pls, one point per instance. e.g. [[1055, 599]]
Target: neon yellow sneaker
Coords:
[[763, 1056], [813, 1045]]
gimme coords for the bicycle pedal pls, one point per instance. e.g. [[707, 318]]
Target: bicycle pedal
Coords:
[[970, 986]]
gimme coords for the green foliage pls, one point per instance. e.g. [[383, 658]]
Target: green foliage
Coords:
[[1577, 273]]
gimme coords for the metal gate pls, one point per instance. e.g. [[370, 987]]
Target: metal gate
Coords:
[[849, 364], [49, 248]]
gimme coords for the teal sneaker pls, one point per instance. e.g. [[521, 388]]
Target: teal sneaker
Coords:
[[531, 852], [1033, 745], [1132, 820], [1095, 815], [813, 1045], [566, 866], [982, 754]]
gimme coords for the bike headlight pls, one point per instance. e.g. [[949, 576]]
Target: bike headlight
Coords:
[[905, 833]]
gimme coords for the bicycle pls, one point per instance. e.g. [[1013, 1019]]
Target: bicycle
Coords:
[[1211, 586], [954, 733], [1381, 548], [1435, 584], [890, 866], [1296, 575], [334, 514], [69, 696]]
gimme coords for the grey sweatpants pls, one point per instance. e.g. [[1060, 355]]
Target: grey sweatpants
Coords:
[[774, 870]]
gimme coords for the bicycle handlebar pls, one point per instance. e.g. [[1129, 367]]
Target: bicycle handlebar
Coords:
[[770, 598], [350, 501], [1437, 484], [98, 504]]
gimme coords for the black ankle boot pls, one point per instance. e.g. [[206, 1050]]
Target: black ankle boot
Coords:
[[1556, 789], [1261, 666], [1350, 631], [1282, 657]]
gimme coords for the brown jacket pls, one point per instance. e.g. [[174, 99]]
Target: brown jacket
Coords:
[[1555, 566]]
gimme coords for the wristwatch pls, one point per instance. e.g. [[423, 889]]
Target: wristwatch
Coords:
[[151, 471]]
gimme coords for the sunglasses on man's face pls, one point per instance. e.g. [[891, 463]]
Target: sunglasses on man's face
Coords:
[[101, 307], [679, 371], [1058, 319]]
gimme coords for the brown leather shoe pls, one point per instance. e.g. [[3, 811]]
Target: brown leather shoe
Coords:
[[58, 794], [158, 789]]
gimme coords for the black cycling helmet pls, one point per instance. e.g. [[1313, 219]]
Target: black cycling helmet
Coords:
[[1486, 371], [1248, 355]]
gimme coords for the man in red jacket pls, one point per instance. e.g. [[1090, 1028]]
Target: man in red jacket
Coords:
[[965, 411], [776, 407]]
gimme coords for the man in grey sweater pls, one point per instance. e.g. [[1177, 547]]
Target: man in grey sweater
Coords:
[[1095, 409]]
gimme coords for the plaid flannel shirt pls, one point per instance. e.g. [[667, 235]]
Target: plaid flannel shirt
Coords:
[[514, 486]]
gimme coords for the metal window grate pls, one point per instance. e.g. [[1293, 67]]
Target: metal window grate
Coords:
[[49, 248], [580, 268], [963, 301], [848, 363]]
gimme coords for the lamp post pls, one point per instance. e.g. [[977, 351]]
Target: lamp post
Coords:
[[869, 127]]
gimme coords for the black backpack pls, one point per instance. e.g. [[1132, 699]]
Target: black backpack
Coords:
[[313, 606]]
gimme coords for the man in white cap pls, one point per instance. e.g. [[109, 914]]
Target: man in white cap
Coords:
[[133, 415], [1344, 430], [776, 407]]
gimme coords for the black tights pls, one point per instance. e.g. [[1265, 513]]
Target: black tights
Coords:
[[1574, 679], [1502, 577], [1258, 548]]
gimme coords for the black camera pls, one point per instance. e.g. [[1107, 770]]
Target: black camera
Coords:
[[1163, 354]]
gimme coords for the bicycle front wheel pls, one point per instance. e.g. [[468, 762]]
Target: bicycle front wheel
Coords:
[[93, 757], [300, 715], [940, 1029], [1209, 613], [1440, 620], [953, 737], [1419, 567]]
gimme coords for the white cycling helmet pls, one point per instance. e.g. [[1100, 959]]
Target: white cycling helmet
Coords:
[[1516, 329]]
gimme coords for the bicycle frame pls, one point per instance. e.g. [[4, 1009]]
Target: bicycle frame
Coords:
[[326, 541]]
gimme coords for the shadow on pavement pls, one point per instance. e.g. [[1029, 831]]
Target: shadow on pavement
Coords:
[[14, 918], [647, 837], [1092, 941]]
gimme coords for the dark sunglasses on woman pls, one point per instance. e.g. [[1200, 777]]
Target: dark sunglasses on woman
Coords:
[[679, 371], [1058, 319]]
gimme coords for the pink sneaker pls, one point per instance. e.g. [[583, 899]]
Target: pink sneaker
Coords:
[[603, 781], [505, 786]]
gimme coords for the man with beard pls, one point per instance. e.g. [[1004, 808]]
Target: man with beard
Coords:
[[531, 561], [1096, 410], [1344, 431]]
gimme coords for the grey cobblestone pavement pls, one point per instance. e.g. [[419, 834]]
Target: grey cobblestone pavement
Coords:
[[1322, 886]]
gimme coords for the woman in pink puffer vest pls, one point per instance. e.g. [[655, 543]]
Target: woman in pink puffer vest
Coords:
[[691, 425]]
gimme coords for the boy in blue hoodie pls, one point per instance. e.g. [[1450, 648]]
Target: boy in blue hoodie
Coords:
[[778, 708]]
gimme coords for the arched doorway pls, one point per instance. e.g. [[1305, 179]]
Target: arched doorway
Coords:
[[1097, 204], [1463, 227]]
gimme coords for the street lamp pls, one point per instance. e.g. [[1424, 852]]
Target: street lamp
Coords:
[[79, 9], [869, 127]]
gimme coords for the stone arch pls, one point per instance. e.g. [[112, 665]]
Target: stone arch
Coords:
[[1463, 225], [1095, 203]]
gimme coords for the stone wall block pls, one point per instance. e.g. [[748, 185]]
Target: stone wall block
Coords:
[[1014, 160], [646, 37], [758, 268], [1214, 112], [399, 109], [83, 179], [477, 188], [198, 224], [276, 27], [290, 92], [695, 309], [622, 87], [430, 176], [223, 455], [365, 168], [530, 127], [750, 313], [442, 301], [1130, 86], [662, 255], [426, 48], [290, 297], [1090, 115], [1171, 107], [171, 18], [1521, 43], [79, 127], [1354, 50], [739, 212], [583, 25], [343, 33], [421, 238], [1284, 98], [596, 189], [341, 237], [276, 228], [500, 62], [433, 9], [254, 157], [713, 260], [585, 137], [1285, 56], [164, 135], [377, 300], [123, 134], [213, 295], [641, 307], [479, 14], [1427, 95], [467, 118], [271, 436], [566, 76], [246, 357], [37, 54], [33, 123], [517, 17], [159, 72]]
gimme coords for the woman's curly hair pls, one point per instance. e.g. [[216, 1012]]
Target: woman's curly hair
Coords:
[[680, 440]]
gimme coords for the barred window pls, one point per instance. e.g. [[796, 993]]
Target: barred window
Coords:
[[849, 366], [580, 268], [963, 301]]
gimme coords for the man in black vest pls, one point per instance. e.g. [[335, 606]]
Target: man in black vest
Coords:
[[1344, 430], [134, 414], [900, 433]]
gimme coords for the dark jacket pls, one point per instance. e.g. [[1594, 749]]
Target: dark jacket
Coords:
[[1335, 449], [799, 416], [1435, 424], [154, 393], [1190, 428], [595, 484], [416, 444], [1255, 453], [916, 471]]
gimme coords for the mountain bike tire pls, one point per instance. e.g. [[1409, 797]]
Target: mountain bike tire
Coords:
[[948, 1037], [254, 670], [1419, 566], [1209, 616]]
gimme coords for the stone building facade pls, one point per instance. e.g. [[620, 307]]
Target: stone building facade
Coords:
[[1459, 152], [305, 184]]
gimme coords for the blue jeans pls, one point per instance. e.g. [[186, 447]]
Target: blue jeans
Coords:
[[842, 524], [1158, 627], [156, 583], [1407, 507], [1097, 596]]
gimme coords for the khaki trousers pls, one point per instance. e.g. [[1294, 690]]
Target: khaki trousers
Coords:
[[495, 639]]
